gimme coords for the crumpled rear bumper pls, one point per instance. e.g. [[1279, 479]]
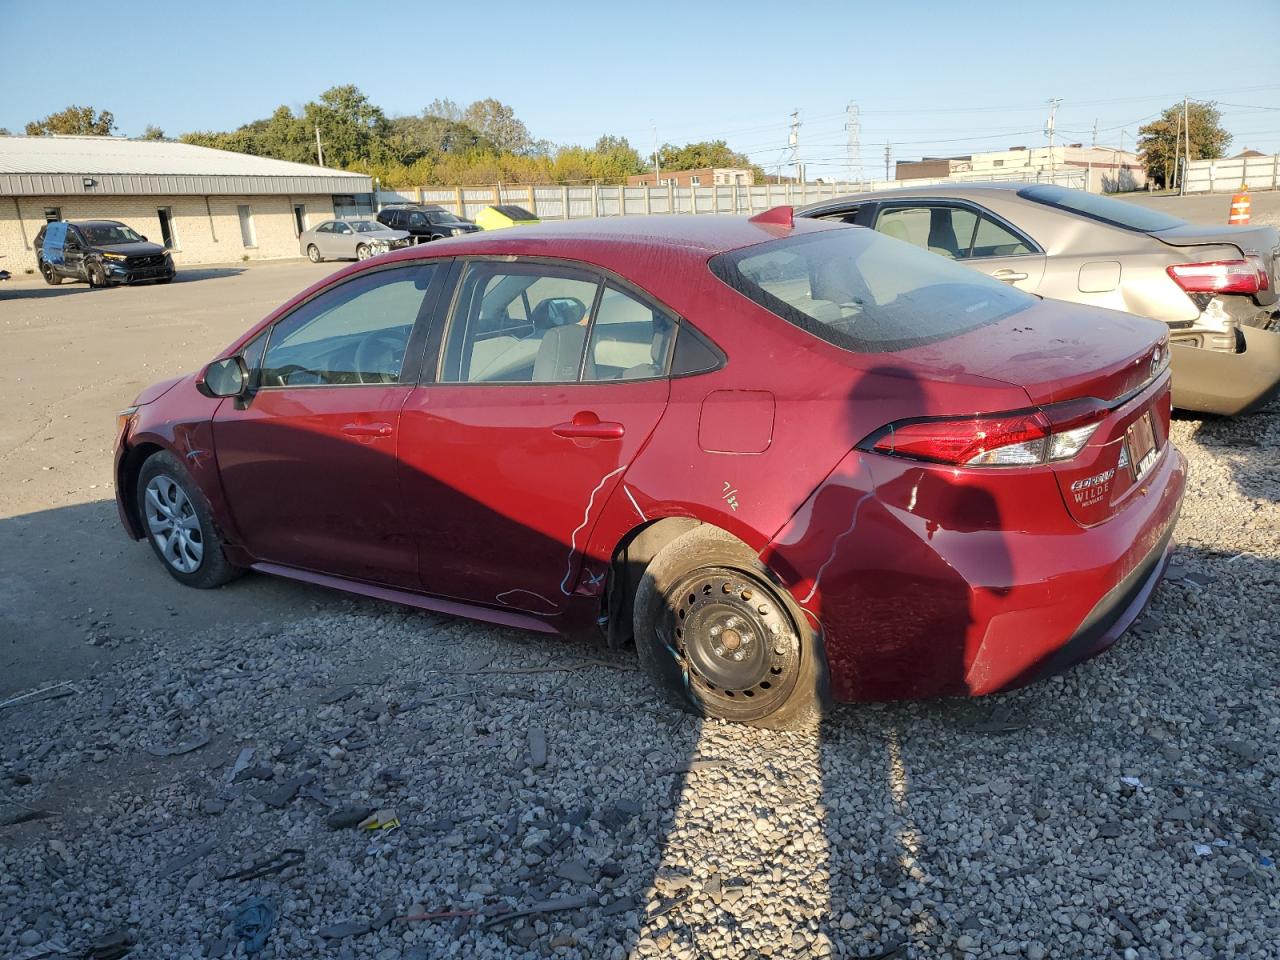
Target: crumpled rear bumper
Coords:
[[1209, 381]]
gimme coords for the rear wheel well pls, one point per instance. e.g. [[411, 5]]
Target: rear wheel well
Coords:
[[127, 482], [630, 558]]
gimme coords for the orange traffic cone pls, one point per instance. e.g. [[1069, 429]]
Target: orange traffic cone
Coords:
[[1240, 207]]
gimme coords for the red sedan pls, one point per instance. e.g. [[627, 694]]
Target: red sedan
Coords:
[[791, 460]]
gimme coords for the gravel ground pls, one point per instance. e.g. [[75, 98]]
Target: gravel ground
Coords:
[[1128, 809]]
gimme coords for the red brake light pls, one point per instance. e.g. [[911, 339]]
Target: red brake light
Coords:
[[1022, 438], [1264, 277], [1218, 276]]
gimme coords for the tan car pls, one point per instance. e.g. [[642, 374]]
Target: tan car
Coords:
[[1214, 286]]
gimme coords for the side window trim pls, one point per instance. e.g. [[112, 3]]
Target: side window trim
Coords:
[[417, 335], [1033, 249]]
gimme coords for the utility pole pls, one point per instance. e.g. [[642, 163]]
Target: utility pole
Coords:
[[1177, 151], [888, 152], [1053, 116], [793, 141], [1186, 125], [319, 149], [854, 148], [657, 168], [1095, 131]]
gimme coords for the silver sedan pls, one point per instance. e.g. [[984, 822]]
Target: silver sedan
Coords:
[[1214, 286], [349, 240]]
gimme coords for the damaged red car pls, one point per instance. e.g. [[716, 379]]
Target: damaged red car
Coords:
[[793, 461]]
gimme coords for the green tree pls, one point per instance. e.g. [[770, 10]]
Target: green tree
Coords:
[[74, 120], [4, 132], [152, 133], [705, 153], [497, 122], [351, 127], [1162, 140]]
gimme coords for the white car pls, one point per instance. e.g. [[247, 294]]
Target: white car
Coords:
[[349, 240]]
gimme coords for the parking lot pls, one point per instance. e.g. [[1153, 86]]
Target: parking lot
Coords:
[[547, 803]]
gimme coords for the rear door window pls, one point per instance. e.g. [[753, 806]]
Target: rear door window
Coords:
[[944, 230], [851, 287], [995, 240]]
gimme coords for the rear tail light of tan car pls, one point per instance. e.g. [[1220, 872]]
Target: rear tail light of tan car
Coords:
[[1221, 276]]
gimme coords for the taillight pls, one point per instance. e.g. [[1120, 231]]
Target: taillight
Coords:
[[1020, 438], [1264, 275], [1219, 276]]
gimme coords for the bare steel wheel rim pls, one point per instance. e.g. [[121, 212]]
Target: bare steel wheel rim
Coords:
[[737, 645], [173, 523]]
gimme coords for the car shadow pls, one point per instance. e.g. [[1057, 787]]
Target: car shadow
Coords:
[[10, 291]]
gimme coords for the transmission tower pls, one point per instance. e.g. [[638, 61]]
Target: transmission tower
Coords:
[[853, 131], [793, 141]]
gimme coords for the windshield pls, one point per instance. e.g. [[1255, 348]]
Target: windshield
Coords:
[[367, 226], [108, 233], [866, 292], [1128, 216]]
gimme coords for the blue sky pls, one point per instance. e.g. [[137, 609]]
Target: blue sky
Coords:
[[928, 78]]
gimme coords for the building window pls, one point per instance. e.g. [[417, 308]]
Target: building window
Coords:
[[299, 218], [695, 181], [52, 213], [247, 235], [997, 163], [165, 215]]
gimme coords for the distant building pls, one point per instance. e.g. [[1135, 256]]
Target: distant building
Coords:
[[206, 205], [702, 177], [1111, 169]]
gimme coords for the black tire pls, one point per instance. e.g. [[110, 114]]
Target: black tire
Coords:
[[97, 276], [313, 253], [706, 586], [363, 251], [212, 570], [51, 276]]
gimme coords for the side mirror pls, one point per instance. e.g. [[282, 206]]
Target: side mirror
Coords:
[[144, 238], [224, 378]]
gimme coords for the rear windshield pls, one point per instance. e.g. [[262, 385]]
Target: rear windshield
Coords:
[[866, 292], [1128, 216]]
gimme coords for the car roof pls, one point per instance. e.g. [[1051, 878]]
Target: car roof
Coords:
[[705, 236], [94, 223], [971, 191]]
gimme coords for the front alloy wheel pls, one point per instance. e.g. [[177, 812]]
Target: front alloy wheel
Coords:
[[179, 524], [173, 524]]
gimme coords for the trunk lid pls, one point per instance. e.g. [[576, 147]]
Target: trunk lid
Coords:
[[1055, 351], [1259, 239]]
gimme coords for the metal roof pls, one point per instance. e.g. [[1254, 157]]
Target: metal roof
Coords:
[[88, 166]]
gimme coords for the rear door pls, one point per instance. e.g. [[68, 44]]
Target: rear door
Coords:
[[967, 233], [548, 381]]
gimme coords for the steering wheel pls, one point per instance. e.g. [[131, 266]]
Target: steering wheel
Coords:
[[378, 358]]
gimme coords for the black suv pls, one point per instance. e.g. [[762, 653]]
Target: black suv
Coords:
[[425, 223], [103, 252]]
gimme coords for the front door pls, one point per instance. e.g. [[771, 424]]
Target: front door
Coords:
[[509, 457], [308, 464], [73, 264]]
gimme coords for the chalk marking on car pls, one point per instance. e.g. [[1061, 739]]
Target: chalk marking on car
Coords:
[[586, 518], [835, 546], [633, 502], [506, 593]]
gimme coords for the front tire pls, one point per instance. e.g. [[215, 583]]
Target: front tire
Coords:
[[363, 252], [720, 639], [97, 276], [313, 253], [179, 524]]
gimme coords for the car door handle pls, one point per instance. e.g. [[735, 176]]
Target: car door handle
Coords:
[[367, 429], [587, 426], [1009, 276]]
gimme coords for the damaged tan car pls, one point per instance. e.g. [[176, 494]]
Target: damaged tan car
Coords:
[[1214, 286]]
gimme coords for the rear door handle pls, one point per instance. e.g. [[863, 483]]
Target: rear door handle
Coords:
[[1009, 276], [587, 426], [367, 429]]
